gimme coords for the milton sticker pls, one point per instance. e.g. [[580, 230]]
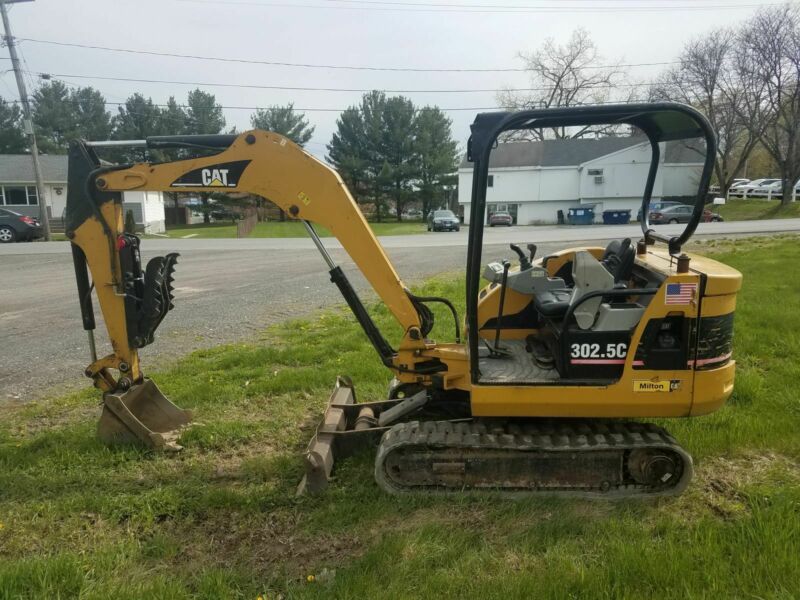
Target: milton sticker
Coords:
[[223, 175]]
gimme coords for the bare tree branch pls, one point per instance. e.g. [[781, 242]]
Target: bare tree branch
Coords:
[[707, 79], [564, 75], [767, 59]]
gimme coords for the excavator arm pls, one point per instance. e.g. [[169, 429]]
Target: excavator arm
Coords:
[[133, 300]]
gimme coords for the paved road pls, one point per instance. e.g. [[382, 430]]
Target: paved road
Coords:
[[227, 290], [499, 235]]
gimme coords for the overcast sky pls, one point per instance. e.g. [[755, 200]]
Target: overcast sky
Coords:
[[339, 32]]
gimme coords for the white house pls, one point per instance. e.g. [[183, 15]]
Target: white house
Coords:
[[534, 180], [18, 191]]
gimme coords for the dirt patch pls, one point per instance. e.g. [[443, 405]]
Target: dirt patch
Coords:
[[21, 423], [720, 484], [268, 544]]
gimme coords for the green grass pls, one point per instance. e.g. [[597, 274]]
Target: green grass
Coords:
[[747, 210], [220, 519], [287, 229]]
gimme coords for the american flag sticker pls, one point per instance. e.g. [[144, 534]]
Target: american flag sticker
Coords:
[[680, 293]]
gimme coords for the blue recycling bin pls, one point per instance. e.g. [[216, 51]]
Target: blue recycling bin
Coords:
[[617, 216], [580, 216]]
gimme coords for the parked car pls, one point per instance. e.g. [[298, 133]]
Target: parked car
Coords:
[[671, 214], [750, 187], [17, 227], [657, 206], [225, 214], [501, 218], [714, 189], [443, 220]]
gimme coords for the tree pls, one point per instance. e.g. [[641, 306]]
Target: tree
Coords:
[[348, 151], [768, 65], [137, 119], [395, 146], [53, 116], [373, 150], [565, 76], [174, 121], [62, 114], [12, 137], [436, 156], [706, 79], [204, 115], [91, 119], [173, 117], [285, 121]]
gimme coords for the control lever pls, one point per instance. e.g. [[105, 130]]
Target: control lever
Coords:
[[532, 250], [524, 263], [498, 351]]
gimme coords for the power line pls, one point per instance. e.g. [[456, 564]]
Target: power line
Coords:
[[322, 89], [493, 6], [317, 109], [320, 66], [468, 9]]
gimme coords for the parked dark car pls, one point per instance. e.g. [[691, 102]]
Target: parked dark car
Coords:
[[443, 220], [17, 227], [671, 214], [501, 218], [657, 206], [224, 214]]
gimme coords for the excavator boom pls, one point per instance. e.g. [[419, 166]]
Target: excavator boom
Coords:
[[134, 299]]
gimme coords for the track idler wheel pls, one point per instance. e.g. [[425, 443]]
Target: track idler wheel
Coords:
[[654, 467]]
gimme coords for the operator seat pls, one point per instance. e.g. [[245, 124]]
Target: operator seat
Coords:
[[617, 259]]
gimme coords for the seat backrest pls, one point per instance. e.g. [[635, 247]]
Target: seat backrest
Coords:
[[618, 259], [590, 276]]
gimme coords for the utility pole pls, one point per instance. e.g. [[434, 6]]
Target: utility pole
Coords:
[[27, 120]]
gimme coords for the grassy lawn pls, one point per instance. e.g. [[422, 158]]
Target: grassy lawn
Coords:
[[287, 229], [220, 519], [746, 210]]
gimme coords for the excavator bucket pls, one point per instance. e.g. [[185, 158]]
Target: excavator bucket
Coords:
[[142, 415]]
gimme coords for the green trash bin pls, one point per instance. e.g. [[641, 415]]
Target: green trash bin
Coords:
[[583, 215]]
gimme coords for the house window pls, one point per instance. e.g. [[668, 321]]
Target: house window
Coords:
[[594, 172], [18, 195], [490, 181]]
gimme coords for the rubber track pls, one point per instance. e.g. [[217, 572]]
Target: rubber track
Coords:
[[571, 436]]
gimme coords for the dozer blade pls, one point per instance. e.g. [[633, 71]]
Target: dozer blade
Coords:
[[346, 428], [142, 415]]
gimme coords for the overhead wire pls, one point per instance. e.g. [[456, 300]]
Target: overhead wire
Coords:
[[475, 9], [327, 89], [321, 66]]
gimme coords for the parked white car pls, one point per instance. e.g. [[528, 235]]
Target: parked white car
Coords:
[[750, 186], [773, 188], [714, 189]]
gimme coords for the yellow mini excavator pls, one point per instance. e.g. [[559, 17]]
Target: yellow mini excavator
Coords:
[[560, 351]]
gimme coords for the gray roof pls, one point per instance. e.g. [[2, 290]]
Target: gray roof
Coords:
[[573, 152], [18, 168]]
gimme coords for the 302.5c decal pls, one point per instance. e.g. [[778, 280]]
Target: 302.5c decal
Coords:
[[598, 352]]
